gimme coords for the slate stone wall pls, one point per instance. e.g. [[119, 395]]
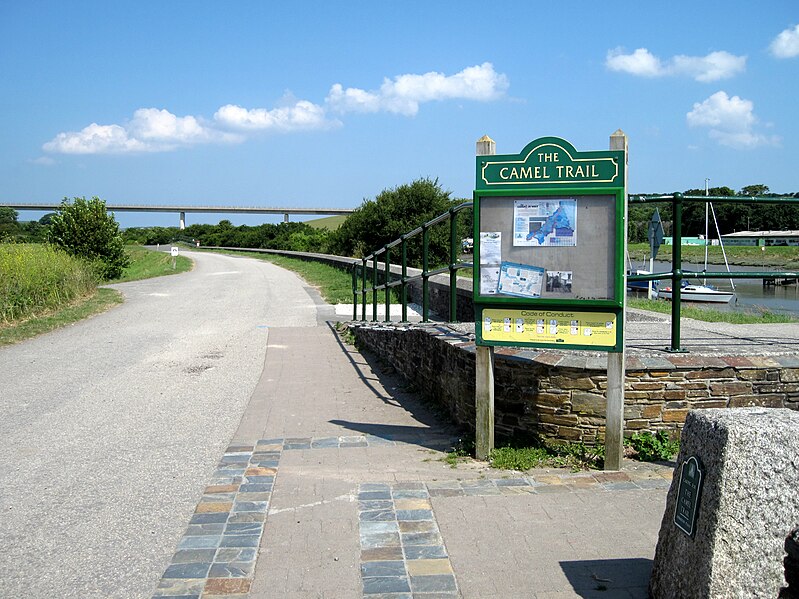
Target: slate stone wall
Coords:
[[562, 395]]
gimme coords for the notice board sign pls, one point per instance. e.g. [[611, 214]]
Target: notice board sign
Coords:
[[548, 247]]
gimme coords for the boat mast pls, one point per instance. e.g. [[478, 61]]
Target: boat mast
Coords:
[[707, 193]]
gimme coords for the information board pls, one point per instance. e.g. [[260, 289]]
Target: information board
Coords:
[[555, 327], [548, 247]]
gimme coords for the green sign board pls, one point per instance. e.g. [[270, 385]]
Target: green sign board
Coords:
[[550, 162], [687, 504], [548, 247]]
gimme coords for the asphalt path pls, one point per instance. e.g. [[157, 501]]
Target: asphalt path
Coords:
[[110, 428]]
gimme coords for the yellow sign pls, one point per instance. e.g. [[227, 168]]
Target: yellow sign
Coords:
[[549, 326]]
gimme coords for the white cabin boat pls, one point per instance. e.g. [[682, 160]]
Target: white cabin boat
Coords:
[[698, 293]]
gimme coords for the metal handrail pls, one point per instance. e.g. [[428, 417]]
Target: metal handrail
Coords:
[[676, 275], [370, 263]]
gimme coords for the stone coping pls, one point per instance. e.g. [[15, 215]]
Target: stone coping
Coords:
[[708, 345]]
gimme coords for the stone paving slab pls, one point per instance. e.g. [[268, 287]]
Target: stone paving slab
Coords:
[[345, 490]]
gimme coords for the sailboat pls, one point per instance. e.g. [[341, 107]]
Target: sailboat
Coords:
[[704, 292], [698, 293]]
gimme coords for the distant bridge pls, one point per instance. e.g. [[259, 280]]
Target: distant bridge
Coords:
[[182, 210]]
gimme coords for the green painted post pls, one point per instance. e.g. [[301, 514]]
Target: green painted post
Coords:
[[453, 258], [676, 280], [354, 291], [404, 285], [363, 290], [386, 279], [425, 276], [374, 287]]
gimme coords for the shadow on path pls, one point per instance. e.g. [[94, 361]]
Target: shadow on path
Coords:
[[436, 430], [609, 578]]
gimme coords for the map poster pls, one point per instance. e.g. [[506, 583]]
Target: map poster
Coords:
[[520, 280], [550, 222], [555, 327]]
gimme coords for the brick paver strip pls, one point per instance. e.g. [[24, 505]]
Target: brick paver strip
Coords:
[[402, 551], [403, 555], [216, 556]]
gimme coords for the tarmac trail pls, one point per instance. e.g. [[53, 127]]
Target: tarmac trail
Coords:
[[109, 429]]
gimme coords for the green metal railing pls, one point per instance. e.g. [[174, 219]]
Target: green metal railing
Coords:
[[676, 275], [369, 264]]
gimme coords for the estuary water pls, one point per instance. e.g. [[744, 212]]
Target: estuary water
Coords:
[[750, 295]]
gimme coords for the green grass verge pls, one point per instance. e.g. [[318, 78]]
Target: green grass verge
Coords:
[[101, 301], [40, 264], [762, 316], [145, 264], [334, 284]]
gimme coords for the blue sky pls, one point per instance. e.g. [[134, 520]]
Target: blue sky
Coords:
[[323, 104]]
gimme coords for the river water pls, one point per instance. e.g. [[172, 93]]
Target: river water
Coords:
[[750, 295]]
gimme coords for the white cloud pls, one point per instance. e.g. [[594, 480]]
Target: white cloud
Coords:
[[786, 44], [158, 130], [714, 66], [302, 115], [95, 139], [150, 130], [641, 62], [731, 121], [405, 93]]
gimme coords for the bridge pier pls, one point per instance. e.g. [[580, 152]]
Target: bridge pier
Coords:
[[182, 221], [285, 217]]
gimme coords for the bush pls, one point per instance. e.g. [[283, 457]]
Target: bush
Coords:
[[36, 278], [84, 228], [651, 448]]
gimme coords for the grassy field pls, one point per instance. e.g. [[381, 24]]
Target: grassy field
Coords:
[[772, 257], [42, 289], [710, 314], [328, 222]]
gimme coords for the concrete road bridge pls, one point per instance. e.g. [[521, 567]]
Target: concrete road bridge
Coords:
[[182, 210]]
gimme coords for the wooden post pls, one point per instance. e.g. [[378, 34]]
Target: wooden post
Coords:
[[614, 415], [484, 364]]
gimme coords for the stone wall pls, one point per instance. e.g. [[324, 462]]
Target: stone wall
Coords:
[[562, 395]]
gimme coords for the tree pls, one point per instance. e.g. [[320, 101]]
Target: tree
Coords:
[[8, 222], [754, 190], [392, 213], [85, 229]]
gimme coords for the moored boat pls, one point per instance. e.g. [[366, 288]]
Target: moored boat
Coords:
[[698, 293]]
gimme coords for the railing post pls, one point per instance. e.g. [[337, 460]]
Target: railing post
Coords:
[[404, 284], [363, 291], [374, 287], [355, 291], [453, 272], [425, 276], [676, 279], [386, 278]]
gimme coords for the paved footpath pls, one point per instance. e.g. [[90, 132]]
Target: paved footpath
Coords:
[[333, 487]]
